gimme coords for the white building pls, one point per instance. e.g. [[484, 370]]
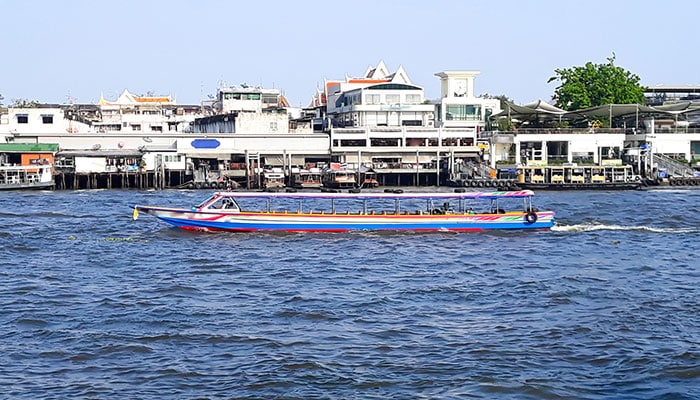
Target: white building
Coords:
[[383, 120], [250, 110], [148, 114], [459, 107], [43, 118]]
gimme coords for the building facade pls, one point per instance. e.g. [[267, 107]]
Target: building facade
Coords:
[[381, 120]]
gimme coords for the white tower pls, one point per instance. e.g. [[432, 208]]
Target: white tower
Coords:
[[457, 83]]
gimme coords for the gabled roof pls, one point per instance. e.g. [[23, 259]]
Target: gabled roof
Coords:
[[372, 76], [127, 98], [378, 72]]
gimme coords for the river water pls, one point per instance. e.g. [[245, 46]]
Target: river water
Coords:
[[96, 305]]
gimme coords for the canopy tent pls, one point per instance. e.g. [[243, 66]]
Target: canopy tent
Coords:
[[536, 108], [543, 111]]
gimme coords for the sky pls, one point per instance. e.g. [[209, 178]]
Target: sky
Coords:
[[54, 51]]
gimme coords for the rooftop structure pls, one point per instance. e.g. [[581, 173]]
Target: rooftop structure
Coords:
[[248, 99], [660, 94], [247, 110]]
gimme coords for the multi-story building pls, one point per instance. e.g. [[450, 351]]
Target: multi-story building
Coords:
[[383, 121], [147, 114]]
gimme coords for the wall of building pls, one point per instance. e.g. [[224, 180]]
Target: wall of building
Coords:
[[39, 120], [673, 143], [257, 123]]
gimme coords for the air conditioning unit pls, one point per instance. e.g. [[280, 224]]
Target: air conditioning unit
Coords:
[[355, 116], [430, 123]]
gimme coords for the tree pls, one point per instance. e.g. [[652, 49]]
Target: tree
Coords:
[[502, 97], [24, 103], [595, 85]]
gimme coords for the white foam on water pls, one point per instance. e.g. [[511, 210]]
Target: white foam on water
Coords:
[[605, 227]]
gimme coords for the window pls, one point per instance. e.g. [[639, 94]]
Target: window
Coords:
[[136, 127], [47, 118], [372, 98], [413, 98], [412, 122], [463, 112], [254, 96], [392, 99], [156, 128], [353, 143], [22, 118], [273, 126], [269, 99], [385, 142]]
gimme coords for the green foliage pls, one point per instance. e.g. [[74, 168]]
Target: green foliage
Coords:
[[502, 97], [595, 85], [24, 103], [505, 124]]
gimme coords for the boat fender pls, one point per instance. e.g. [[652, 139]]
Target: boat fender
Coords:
[[531, 217], [398, 190], [198, 185], [388, 190], [480, 184], [354, 191], [460, 190]]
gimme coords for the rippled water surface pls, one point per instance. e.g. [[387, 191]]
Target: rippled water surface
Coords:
[[96, 305]]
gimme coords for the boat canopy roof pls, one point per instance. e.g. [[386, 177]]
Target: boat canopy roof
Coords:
[[368, 196]]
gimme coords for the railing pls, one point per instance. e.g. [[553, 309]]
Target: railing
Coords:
[[673, 167], [627, 131]]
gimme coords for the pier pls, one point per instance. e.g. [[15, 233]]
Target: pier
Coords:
[[118, 180]]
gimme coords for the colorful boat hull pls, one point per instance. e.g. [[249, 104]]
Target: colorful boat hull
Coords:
[[208, 219]]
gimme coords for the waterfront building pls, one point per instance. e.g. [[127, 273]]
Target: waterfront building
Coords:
[[381, 120], [26, 166], [38, 119], [540, 134], [254, 129], [129, 113], [149, 114]]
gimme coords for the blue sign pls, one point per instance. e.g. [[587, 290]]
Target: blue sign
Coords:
[[205, 143]]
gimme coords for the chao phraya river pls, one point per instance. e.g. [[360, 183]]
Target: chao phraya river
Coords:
[[95, 305]]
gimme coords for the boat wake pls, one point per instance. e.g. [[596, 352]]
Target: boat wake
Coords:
[[604, 227]]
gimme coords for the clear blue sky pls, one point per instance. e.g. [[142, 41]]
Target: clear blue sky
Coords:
[[53, 49]]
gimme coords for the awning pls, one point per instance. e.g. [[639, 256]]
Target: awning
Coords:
[[217, 156], [101, 153]]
